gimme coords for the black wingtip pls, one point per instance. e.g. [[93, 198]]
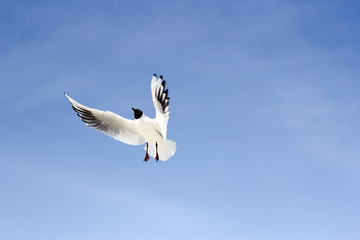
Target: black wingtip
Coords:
[[161, 77], [154, 74]]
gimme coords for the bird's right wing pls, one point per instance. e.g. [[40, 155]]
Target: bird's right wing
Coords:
[[161, 102], [109, 123]]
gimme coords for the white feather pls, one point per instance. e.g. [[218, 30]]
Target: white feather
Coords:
[[109, 123]]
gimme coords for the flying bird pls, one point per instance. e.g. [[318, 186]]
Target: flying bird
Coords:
[[151, 131]]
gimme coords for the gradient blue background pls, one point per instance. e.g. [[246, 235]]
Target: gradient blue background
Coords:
[[264, 109]]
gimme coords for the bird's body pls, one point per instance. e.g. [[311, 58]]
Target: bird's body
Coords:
[[147, 127], [139, 131], [152, 135]]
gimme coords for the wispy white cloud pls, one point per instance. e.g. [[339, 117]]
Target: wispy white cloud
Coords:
[[128, 203], [319, 122]]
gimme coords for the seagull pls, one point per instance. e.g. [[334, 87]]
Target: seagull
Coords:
[[142, 129]]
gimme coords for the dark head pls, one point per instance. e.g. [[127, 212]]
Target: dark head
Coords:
[[137, 113]]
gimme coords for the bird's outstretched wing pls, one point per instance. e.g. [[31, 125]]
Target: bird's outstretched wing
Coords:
[[161, 102], [109, 123]]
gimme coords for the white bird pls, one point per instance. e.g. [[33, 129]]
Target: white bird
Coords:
[[139, 131]]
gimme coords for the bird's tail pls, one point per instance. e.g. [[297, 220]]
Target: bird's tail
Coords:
[[166, 150]]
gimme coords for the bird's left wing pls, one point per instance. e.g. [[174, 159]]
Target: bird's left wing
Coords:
[[111, 124]]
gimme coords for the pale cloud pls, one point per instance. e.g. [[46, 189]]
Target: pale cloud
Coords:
[[318, 121]]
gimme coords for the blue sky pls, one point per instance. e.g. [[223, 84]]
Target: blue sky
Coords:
[[264, 110]]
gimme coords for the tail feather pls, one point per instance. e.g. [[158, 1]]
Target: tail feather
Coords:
[[166, 149]]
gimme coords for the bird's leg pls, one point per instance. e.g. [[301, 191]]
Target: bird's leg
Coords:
[[147, 155], [157, 154]]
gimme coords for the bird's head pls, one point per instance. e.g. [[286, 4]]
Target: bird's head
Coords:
[[137, 113]]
